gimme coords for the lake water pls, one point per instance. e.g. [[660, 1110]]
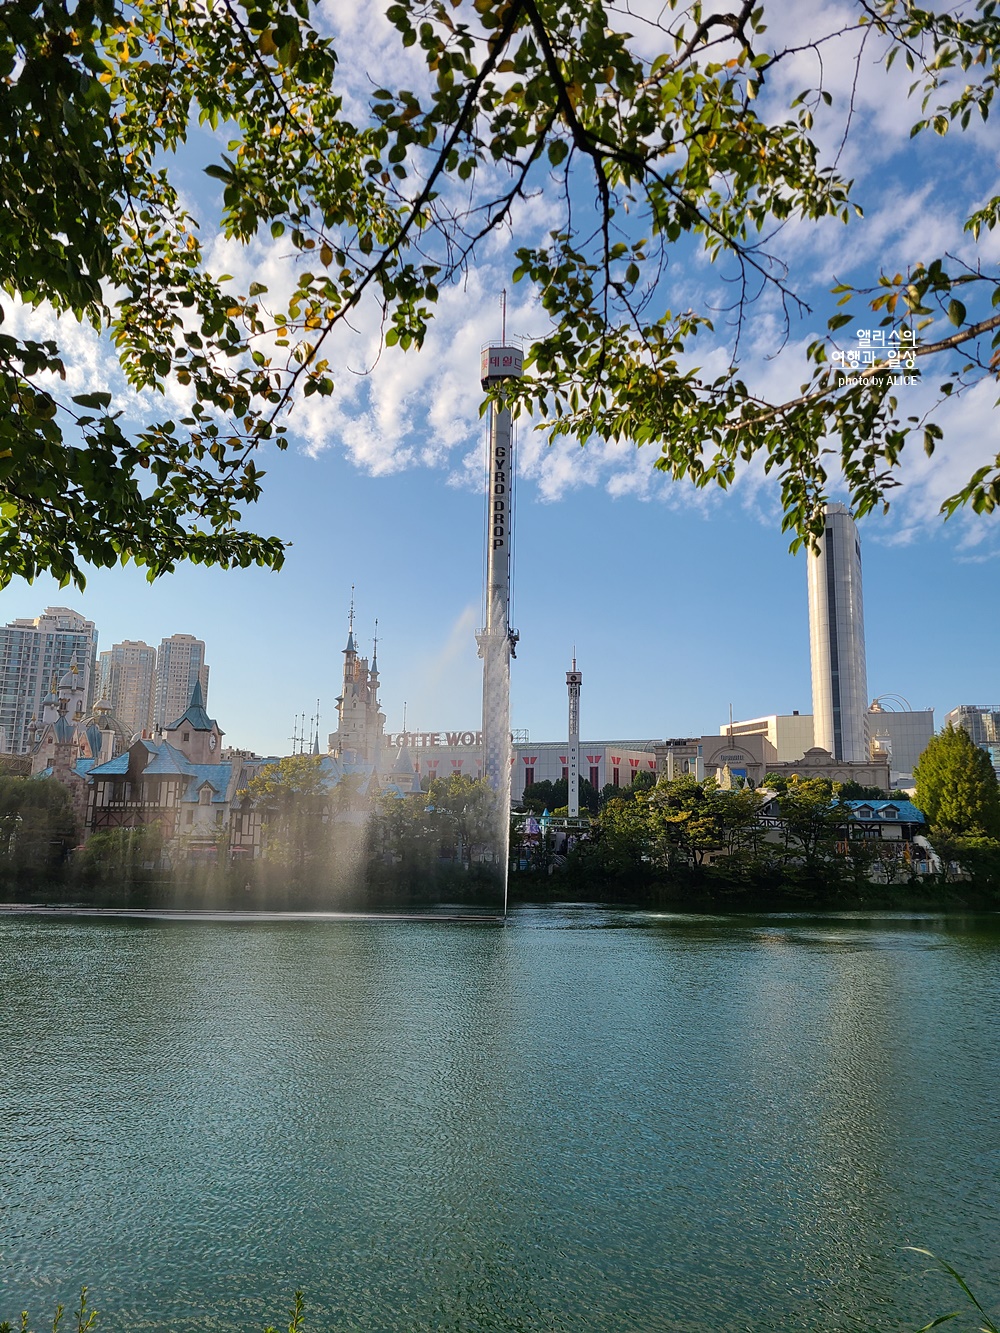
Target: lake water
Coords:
[[581, 1121]]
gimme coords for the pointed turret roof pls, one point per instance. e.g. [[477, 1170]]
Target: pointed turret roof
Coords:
[[351, 646], [403, 764], [195, 715]]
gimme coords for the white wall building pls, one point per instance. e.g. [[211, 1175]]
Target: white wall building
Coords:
[[837, 640], [180, 664], [438, 754]]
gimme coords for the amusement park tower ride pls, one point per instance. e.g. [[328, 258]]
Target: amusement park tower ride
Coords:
[[574, 679], [496, 639]]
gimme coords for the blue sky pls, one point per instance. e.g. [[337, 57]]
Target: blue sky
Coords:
[[680, 603]]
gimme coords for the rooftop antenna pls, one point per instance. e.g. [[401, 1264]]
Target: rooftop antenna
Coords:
[[350, 619], [503, 316]]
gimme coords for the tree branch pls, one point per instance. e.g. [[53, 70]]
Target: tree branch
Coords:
[[871, 372]]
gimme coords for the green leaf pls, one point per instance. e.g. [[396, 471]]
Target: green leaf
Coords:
[[98, 400]]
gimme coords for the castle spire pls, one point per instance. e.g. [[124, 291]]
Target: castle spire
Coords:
[[351, 646]]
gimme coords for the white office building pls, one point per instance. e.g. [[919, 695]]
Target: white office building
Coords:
[[837, 640]]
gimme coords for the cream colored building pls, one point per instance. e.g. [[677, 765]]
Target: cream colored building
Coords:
[[127, 681], [790, 734]]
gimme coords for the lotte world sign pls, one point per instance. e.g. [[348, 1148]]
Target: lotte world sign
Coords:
[[419, 740]]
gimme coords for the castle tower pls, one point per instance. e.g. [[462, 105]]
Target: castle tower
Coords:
[[194, 733], [360, 722]]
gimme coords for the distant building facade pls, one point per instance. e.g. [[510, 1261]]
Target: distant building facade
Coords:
[[34, 656], [982, 722], [180, 664], [439, 754], [126, 679], [178, 784], [747, 758], [820, 763], [903, 734], [837, 640], [790, 734]]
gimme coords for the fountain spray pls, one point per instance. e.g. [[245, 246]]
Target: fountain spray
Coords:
[[496, 639]]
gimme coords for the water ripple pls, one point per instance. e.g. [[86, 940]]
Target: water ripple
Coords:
[[678, 1124]]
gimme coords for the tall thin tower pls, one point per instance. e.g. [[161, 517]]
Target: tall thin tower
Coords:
[[496, 639], [837, 640], [574, 679]]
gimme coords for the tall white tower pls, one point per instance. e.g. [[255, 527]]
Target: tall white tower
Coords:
[[496, 639], [574, 679], [837, 640]]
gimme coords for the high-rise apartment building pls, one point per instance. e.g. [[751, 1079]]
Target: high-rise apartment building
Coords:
[[34, 657], [180, 662], [982, 722], [126, 678], [837, 640]]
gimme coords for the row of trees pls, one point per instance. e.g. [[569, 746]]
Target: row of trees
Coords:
[[688, 835], [685, 833], [37, 829], [314, 833], [649, 836]]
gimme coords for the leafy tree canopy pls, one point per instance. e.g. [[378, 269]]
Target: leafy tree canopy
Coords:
[[551, 796], [644, 134], [291, 782], [858, 791], [956, 786], [37, 825]]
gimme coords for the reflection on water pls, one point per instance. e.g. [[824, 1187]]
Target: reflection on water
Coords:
[[582, 1121]]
